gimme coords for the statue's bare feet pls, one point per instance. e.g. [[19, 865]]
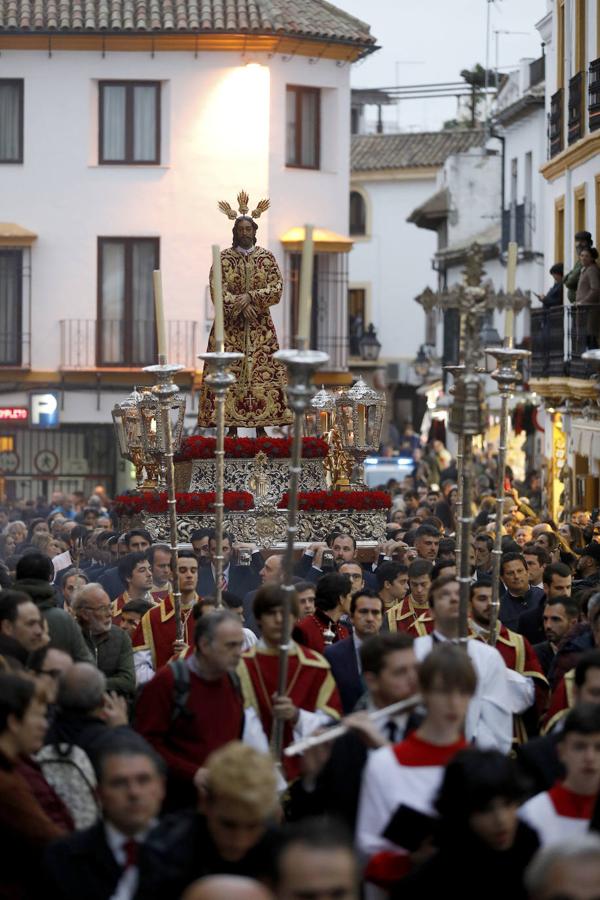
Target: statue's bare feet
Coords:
[[260, 432], [232, 432]]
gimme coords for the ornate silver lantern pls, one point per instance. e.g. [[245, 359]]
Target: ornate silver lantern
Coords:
[[359, 416], [153, 407], [127, 422], [319, 414]]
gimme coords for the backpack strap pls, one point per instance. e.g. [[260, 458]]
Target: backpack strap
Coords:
[[181, 689]]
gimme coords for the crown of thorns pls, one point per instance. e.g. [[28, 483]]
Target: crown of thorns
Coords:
[[243, 207]]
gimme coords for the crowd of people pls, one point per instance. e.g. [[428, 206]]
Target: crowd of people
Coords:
[[137, 765]]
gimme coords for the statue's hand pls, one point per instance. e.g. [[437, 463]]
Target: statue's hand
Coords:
[[250, 315]]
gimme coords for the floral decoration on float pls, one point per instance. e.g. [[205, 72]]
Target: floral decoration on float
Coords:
[[197, 447], [333, 501], [196, 502]]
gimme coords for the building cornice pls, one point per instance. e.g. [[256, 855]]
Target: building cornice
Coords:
[[579, 152], [183, 42], [412, 173]]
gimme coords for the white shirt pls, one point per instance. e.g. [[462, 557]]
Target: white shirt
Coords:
[[116, 840], [522, 687], [555, 819], [489, 716]]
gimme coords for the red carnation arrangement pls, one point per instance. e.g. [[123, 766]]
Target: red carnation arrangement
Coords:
[[196, 502], [333, 501], [196, 447]]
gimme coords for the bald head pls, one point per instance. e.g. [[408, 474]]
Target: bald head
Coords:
[[271, 571], [82, 688], [234, 887]]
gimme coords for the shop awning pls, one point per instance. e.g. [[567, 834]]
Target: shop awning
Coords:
[[325, 241], [13, 235]]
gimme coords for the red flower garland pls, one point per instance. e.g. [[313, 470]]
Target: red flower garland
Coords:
[[152, 502], [197, 447], [332, 501]]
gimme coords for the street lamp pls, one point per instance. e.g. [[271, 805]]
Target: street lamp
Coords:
[[369, 346], [421, 363], [359, 415]]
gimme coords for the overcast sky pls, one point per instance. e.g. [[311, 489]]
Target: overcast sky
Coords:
[[424, 41]]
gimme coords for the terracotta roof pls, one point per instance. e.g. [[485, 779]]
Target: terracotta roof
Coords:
[[434, 209], [314, 19], [371, 152]]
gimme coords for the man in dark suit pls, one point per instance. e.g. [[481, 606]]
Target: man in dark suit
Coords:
[[332, 773], [137, 540], [343, 547], [366, 615], [118, 856], [557, 581], [518, 597], [239, 579]]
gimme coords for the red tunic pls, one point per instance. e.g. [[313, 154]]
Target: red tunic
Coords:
[[216, 718], [310, 631], [401, 616], [117, 605], [421, 626], [519, 655], [156, 632], [562, 699], [311, 686]]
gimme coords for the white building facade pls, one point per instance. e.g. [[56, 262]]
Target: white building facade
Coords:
[[116, 142]]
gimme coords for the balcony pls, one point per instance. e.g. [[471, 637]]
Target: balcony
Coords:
[[551, 355], [575, 124], [537, 71], [80, 351], [15, 350], [555, 129], [594, 95]]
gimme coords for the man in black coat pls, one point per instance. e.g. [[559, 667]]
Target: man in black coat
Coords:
[[366, 615], [332, 773], [558, 583], [121, 855], [239, 579]]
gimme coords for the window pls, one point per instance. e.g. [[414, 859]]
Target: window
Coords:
[[560, 45], [579, 208], [580, 36], [126, 327], [11, 120], [129, 122], [10, 307], [303, 113], [357, 312], [358, 214], [559, 229]]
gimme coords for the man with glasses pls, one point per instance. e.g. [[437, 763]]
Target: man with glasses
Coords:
[[110, 645]]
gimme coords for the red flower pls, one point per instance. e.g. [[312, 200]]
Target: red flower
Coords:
[[331, 501], [152, 502], [196, 447]]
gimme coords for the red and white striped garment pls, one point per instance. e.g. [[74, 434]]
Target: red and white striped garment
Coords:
[[558, 814], [408, 774]]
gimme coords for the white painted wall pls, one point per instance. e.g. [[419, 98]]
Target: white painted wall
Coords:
[[223, 128], [393, 263]]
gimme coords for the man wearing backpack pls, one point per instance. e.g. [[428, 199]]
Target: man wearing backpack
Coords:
[[194, 706]]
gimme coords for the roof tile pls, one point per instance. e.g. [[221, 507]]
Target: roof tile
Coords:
[[372, 152], [314, 19]]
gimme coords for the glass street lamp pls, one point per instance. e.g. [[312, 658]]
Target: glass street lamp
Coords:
[[359, 415], [319, 414], [421, 363], [128, 430]]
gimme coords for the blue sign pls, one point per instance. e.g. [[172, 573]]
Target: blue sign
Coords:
[[44, 409]]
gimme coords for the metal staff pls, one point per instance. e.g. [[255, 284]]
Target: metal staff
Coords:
[[506, 376], [219, 380], [337, 731], [301, 366], [165, 392]]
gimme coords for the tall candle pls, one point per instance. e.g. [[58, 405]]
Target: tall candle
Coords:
[[217, 296], [159, 313], [305, 293], [511, 285], [361, 411]]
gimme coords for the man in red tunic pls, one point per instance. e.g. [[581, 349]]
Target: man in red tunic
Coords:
[[195, 706], [332, 601], [406, 612], [517, 653], [135, 570], [311, 699], [154, 641]]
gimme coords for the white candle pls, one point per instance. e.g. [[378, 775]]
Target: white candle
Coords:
[[159, 313], [511, 285], [361, 435], [305, 293], [217, 296]]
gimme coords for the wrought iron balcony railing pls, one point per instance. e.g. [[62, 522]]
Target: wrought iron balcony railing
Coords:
[[554, 353], [87, 344]]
